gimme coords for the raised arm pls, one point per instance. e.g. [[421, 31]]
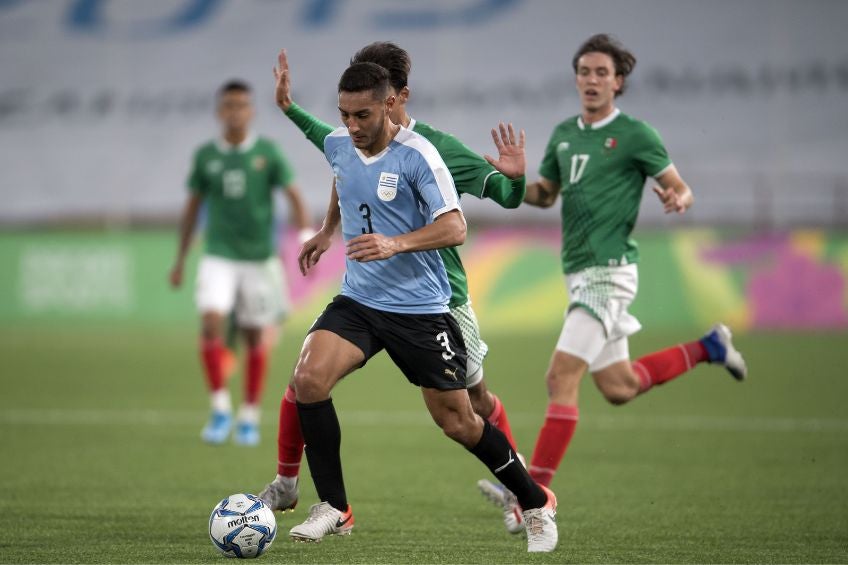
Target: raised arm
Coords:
[[673, 192], [187, 222], [542, 193], [314, 129], [447, 230]]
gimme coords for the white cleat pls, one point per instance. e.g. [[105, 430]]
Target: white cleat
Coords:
[[280, 495], [500, 496], [323, 520], [540, 525], [719, 344]]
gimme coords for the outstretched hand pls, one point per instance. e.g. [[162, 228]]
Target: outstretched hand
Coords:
[[511, 161], [282, 93], [671, 200]]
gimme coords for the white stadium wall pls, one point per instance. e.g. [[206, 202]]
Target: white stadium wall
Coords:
[[103, 101]]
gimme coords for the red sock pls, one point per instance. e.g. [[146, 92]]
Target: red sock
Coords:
[[212, 353], [554, 437], [257, 360], [498, 419], [289, 437], [663, 366]]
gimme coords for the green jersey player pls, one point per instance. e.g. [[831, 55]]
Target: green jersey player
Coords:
[[598, 162], [234, 178], [499, 180]]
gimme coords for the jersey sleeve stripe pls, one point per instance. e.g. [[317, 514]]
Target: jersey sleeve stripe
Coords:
[[485, 181], [440, 171], [663, 171]]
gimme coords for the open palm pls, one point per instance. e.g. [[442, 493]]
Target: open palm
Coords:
[[282, 93], [511, 161]]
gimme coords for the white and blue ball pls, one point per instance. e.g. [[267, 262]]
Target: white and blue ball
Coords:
[[242, 526]]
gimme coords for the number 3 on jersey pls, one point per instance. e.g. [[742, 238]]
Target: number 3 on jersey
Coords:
[[578, 165], [366, 215]]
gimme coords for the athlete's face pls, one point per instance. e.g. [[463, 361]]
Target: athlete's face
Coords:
[[235, 110], [365, 116], [597, 82]]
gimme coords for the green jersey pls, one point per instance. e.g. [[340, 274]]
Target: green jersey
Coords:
[[471, 175], [236, 183], [601, 170]]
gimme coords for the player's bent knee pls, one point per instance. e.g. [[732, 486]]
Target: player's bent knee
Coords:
[[619, 395], [309, 385], [481, 401]]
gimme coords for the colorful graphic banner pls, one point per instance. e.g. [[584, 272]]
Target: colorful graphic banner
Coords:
[[691, 278]]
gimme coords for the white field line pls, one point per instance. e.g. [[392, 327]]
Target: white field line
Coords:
[[366, 418]]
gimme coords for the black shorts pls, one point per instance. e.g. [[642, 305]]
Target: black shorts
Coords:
[[427, 348]]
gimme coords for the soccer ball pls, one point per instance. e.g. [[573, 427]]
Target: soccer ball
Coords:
[[242, 526]]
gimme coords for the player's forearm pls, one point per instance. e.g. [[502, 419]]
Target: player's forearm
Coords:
[[187, 224], [537, 194], [334, 215], [300, 216], [314, 129], [507, 192], [448, 230]]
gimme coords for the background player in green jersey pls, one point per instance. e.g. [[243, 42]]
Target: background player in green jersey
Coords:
[[500, 180], [598, 162], [234, 177]]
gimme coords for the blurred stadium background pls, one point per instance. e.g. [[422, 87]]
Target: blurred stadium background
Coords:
[[102, 103]]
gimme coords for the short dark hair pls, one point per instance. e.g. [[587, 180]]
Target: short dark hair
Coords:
[[361, 77], [234, 85], [389, 56], [622, 59]]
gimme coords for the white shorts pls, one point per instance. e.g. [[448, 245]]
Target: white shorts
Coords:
[[255, 289], [597, 323], [475, 347]]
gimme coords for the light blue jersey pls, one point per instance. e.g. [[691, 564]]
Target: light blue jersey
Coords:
[[402, 189]]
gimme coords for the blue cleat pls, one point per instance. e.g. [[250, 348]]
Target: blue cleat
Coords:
[[217, 429], [720, 349], [246, 434]]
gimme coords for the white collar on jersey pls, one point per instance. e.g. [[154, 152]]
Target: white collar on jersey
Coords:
[[374, 158], [225, 146], [601, 123], [411, 125]]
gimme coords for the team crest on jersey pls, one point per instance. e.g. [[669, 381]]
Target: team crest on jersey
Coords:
[[563, 146], [259, 162], [387, 186], [214, 167], [610, 143]]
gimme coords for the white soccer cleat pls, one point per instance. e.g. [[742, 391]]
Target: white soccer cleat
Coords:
[[500, 496], [278, 495], [540, 525], [719, 344], [323, 520]]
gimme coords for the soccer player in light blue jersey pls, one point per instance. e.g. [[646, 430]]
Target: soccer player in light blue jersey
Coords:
[[397, 206], [501, 181]]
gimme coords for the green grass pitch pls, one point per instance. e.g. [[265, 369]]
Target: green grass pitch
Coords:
[[101, 462]]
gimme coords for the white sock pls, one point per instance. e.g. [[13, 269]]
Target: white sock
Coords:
[[220, 400], [287, 482], [249, 414]]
